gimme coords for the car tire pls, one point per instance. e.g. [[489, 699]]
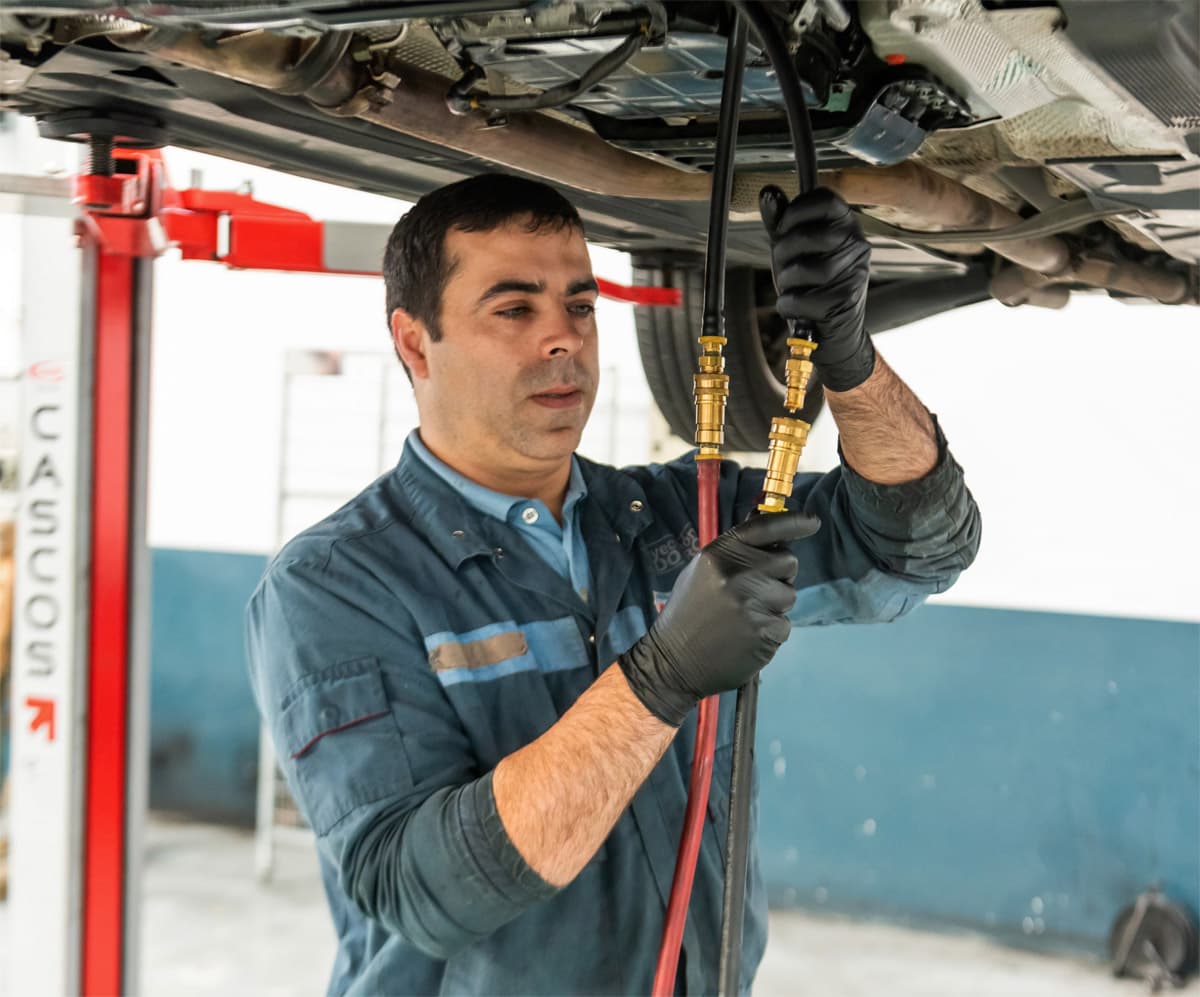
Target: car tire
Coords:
[[754, 356]]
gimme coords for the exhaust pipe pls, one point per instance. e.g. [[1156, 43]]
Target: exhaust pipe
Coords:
[[535, 143], [933, 201], [1019, 286], [927, 201]]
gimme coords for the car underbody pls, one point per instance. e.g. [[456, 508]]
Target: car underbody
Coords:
[[1007, 148]]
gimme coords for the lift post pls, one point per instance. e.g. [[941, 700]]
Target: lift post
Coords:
[[79, 763]]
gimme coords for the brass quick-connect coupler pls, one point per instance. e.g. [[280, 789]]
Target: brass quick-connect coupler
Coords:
[[788, 437], [798, 373], [711, 392]]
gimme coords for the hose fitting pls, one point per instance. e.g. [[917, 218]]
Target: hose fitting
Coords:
[[788, 435], [799, 371], [711, 391]]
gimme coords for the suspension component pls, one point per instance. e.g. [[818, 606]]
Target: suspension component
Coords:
[[711, 391], [788, 434]]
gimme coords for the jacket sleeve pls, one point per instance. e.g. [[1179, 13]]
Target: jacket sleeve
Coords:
[[881, 549], [378, 762]]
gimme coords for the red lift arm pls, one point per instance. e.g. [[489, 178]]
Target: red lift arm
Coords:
[[136, 213]]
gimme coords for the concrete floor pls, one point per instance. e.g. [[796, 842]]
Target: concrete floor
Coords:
[[209, 928]]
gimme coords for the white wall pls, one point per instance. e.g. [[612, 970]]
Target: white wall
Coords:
[[1078, 434], [22, 152]]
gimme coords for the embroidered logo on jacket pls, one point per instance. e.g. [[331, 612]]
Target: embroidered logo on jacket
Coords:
[[672, 553]]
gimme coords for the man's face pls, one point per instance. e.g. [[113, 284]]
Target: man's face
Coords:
[[514, 376]]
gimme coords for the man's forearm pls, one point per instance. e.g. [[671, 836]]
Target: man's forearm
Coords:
[[559, 796], [887, 435]]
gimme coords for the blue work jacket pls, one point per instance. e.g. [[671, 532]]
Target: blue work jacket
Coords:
[[402, 647]]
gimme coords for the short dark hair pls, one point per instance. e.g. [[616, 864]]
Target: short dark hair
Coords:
[[416, 268]]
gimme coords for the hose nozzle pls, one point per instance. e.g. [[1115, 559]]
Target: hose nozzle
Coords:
[[788, 437], [711, 391], [798, 373]]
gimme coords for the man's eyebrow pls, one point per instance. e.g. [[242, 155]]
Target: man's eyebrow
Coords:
[[581, 286], [507, 286]]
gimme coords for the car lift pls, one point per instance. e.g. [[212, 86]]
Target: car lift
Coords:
[[80, 758]]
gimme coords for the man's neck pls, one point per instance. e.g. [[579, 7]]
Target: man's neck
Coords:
[[547, 484]]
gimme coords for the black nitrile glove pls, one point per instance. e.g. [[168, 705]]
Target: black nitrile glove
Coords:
[[725, 618], [821, 263]]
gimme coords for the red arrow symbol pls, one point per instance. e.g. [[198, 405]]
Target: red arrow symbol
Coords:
[[47, 370], [43, 717]]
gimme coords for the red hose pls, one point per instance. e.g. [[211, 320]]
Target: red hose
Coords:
[[708, 475]]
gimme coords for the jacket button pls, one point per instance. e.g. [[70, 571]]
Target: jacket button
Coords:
[[499, 552], [592, 639], [458, 534], [636, 505], [329, 716]]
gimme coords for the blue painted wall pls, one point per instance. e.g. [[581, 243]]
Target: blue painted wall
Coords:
[[203, 722], [1020, 773], [1023, 772]]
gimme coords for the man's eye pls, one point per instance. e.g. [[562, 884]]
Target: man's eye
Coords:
[[583, 309], [515, 312]]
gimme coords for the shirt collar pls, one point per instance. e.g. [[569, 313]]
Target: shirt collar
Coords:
[[576, 489], [458, 531], [492, 503]]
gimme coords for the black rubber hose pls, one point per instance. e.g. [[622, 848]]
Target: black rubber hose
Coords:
[[745, 719], [737, 842], [461, 101], [790, 88], [712, 322]]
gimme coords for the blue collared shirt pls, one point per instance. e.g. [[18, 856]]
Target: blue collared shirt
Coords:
[[561, 547], [405, 645]]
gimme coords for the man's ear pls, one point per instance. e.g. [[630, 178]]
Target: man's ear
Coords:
[[410, 337]]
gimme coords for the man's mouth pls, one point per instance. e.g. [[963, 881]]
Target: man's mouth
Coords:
[[561, 397]]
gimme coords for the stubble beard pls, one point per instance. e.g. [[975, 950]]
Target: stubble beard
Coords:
[[544, 434]]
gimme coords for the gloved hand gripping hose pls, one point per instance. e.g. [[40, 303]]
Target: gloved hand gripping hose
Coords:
[[712, 388], [788, 436]]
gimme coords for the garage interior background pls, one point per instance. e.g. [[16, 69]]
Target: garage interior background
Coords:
[[1021, 756]]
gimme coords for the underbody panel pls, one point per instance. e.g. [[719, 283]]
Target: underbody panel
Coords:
[[1023, 106]]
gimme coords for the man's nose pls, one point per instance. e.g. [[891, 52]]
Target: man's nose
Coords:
[[561, 337]]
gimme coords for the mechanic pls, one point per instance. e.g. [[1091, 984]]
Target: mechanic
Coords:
[[478, 698]]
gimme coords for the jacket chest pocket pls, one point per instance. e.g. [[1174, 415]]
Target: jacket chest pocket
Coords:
[[511, 682]]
